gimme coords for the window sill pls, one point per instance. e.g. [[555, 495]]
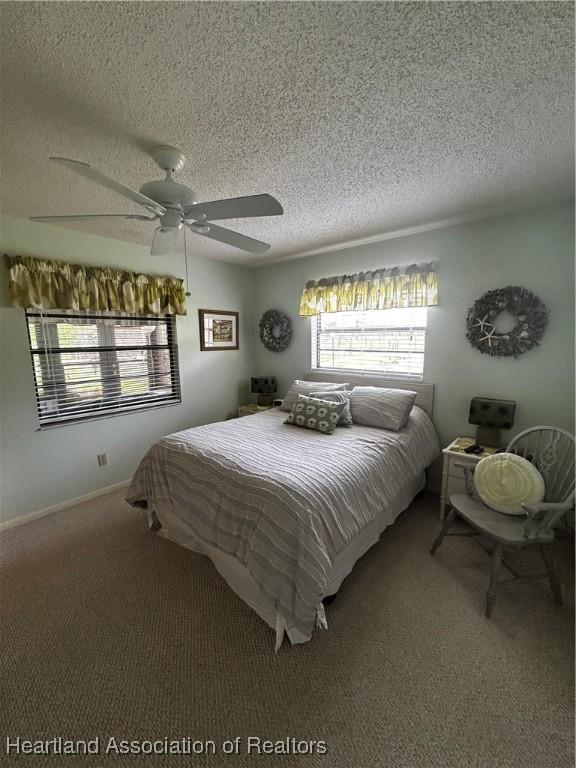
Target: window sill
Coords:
[[74, 420]]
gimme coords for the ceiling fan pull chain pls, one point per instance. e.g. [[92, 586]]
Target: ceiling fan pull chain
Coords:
[[186, 264]]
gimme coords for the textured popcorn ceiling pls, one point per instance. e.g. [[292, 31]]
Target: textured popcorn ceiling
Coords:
[[361, 118]]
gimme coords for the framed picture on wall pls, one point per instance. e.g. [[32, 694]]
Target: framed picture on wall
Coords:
[[218, 330]]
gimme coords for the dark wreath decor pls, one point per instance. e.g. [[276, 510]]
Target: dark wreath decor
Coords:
[[528, 311], [275, 330]]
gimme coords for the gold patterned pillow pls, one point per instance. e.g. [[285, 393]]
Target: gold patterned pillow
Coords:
[[320, 415]]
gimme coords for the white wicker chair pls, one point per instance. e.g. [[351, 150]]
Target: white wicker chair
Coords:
[[551, 450]]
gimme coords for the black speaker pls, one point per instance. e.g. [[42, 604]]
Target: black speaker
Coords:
[[490, 416], [264, 387]]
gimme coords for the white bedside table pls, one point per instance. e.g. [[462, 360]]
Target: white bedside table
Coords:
[[250, 408], [455, 461]]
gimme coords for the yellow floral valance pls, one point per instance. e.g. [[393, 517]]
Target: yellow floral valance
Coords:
[[42, 284], [411, 286]]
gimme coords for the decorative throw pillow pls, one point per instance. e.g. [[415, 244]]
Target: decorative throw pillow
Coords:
[[382, 408], [321, 415], [505, 481], [345, 419], [305, 387]]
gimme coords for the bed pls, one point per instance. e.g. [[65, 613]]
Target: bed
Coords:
[[284, 513]]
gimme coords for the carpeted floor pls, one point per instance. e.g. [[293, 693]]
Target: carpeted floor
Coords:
[[109, 630]]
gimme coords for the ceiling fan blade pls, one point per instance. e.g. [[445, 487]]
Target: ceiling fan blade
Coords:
[[87, 216], [229, 237], [235, 208], [90, 173], [165, 242]]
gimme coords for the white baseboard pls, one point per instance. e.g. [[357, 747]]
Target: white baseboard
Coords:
[[61, 505]]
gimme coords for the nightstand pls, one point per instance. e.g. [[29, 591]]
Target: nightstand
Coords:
[[251, 408], [455, 461]]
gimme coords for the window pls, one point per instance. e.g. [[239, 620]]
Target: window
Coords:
[[87, 366], [388, 341]]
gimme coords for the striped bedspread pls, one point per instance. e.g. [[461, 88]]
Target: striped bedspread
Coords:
[[283, 500]]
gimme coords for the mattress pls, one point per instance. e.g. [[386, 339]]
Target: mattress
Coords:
[[282, 502]]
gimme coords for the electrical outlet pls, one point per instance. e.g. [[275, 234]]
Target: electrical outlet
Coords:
[[102, 459]]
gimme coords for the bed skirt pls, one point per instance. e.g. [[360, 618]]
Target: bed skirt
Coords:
[[163, 520]]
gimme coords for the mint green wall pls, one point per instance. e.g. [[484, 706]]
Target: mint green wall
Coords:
[[534, 248], [40, 469]]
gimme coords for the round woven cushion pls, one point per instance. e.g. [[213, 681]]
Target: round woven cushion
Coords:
[[505, 481]]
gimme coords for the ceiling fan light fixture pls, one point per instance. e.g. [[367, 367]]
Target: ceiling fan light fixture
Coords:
[[165, 242]]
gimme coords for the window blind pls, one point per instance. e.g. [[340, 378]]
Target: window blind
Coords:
[[87, 366], [387, 341]]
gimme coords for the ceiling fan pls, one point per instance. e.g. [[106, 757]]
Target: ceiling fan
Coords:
[[174, 205]]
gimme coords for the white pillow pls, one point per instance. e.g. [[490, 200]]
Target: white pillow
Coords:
[[505, 481], [380, 407], [305, 387]]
